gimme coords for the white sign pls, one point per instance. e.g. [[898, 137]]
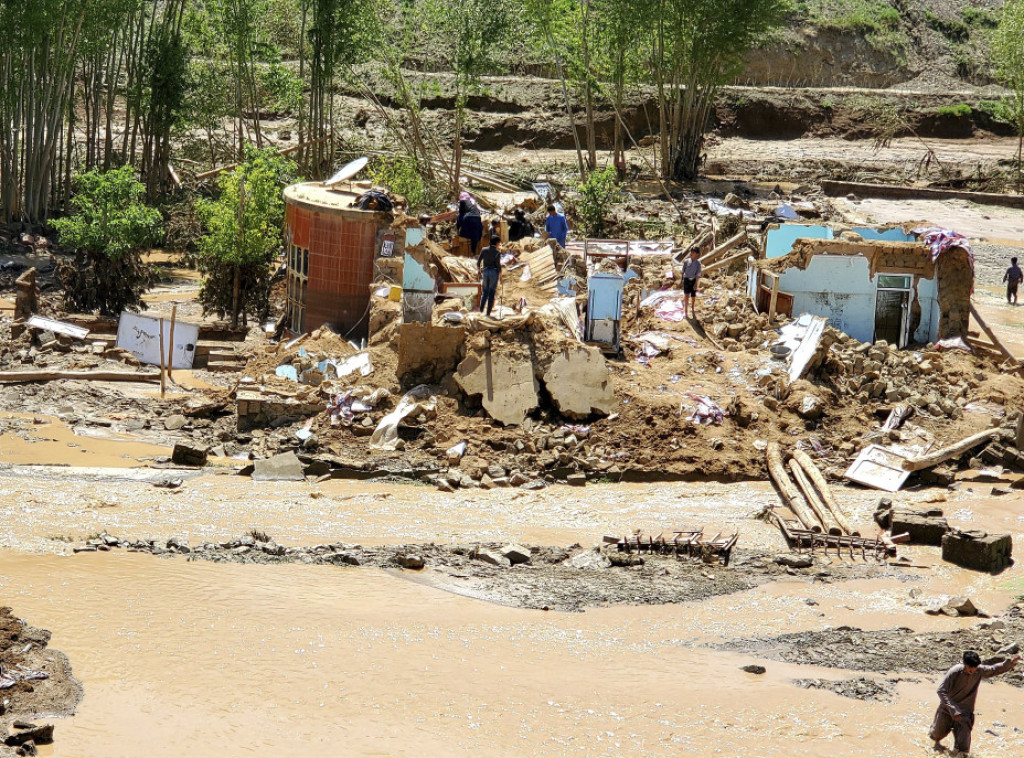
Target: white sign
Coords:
[[140, 335]]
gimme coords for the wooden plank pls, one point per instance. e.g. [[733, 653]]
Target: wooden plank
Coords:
[[775, 296], [725, 247], [953, 451], [25, 377], [725, 261]]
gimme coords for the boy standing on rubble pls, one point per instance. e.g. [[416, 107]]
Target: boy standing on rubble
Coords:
[[1012, 277], [489, 262], [957, 693], [691, 273]]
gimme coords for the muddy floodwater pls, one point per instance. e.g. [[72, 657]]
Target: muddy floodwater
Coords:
[[183, 656]]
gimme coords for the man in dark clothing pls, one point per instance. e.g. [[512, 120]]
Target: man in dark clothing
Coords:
[[957, 693], [520, 228], [1012, 277], [468, 224], [489, 262]]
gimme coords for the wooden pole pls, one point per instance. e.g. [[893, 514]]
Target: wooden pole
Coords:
[[815, 475], [163, 379], [725, 261], [775, 297], [170, 352], [953, 451], [790, 495], [725, 247], [812, 498], [991, 335], [25, 377]]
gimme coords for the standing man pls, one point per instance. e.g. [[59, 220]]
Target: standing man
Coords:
[[519, 228], [1012, 277], [957, 694], [691, 273], [556, 226], [489, 262]]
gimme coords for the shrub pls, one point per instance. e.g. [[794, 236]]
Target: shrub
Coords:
[[597, 194], [960, 110]]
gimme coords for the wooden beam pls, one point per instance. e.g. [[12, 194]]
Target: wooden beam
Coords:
[[813, 500], [24, 377], [790, 494], [725, 247], [815, 475], [726, 261], [992, 335], [775, 296], [953, 451]]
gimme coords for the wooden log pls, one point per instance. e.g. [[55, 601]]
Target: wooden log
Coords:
[[954, 450], [725, 247], [163, 373], [775, 297], [790, 495], [815, 503], [815, 475], [24, 377], [725, 261], [170, 357]]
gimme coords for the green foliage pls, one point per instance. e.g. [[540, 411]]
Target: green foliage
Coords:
[[960, 110], [952, 29], [979, 18], [400, 176], [109, 216], [860, 16], [243, 235], [1008, 53], [108, 230], [597, 194]]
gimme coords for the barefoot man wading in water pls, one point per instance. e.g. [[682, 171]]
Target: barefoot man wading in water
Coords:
[[957, 694]]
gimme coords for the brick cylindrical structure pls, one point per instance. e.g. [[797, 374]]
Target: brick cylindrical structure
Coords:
[[330, 252]]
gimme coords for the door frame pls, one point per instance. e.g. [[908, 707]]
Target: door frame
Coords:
[[904, 338]]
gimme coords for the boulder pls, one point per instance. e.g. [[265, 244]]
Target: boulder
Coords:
[[189, 454], [40, 735], [576, 480], [285, 467], [924, 527], [977, 550], [174, 423], [811, 407], [493, 558], [411, 561], [754, 669], [589, 560], [517, 554]]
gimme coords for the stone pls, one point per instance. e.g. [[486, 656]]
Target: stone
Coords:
[[504, 380], [518, 479], [272, 548], [444, 485], [493, 558], [579, 383], [341, 558], [576, 480], [754, 669], [978, 550], [174, 423], [794, 560], [924, 527], [625, 560], [40, 735], [963, 606], [27, 748], [189, 454], [517, 554], [589, 560], [487, 483], [285, 467], [883, 513], [811, 407], [411, 561], [495, 472]]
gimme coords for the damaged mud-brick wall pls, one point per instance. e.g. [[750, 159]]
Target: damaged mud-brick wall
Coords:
[[331, 253], [955, 279]]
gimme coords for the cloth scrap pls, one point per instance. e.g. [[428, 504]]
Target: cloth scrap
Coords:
[[707, 411]]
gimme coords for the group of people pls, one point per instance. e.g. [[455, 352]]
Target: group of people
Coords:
[[469, 225]]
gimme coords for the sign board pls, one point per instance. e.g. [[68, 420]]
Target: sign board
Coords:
[[387, 248], [140, 335]]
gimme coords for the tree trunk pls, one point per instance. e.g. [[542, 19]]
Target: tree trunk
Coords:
[[235, 291]]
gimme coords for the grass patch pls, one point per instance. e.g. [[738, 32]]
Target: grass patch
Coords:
[[980, 18], [960, 110], [952, 29]]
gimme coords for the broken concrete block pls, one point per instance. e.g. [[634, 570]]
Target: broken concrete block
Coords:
[[505, 381], [428, 353], [977, 550], [285, 467], [924, 527], [576, 480], [189, 454], [517, 554], [579, 383], [589, 560]]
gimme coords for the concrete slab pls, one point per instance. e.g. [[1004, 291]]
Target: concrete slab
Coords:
[[579, 383], [505, 380]]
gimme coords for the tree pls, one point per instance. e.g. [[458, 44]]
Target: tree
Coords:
[[243, 235], [696, 47], [469, 36], [109, 229], [620, 35], [1008, 51]]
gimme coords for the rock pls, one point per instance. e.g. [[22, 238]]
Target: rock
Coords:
[[189, 454], [963, 606], [175, 422], [487, 483], [754, 669], [924, 528], [517, 554], [285, 467], [883, 513], [411, 561], [794, 560], [536, 484], [342, 558], [272, 548], [977, 550], [576, 480], [1012, 649], [444, 485], [40, 735], [811, 407], [28, 748], [589, 560], [495, 559], [518, 479], [495, 472], [625, 560]]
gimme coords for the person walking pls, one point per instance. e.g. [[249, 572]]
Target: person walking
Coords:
[[489, 264], [1012, 277], [468, 224], [957, 693], [555, 226], [691, 273]]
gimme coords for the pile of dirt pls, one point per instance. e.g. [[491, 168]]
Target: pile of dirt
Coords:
[[35, 681]]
